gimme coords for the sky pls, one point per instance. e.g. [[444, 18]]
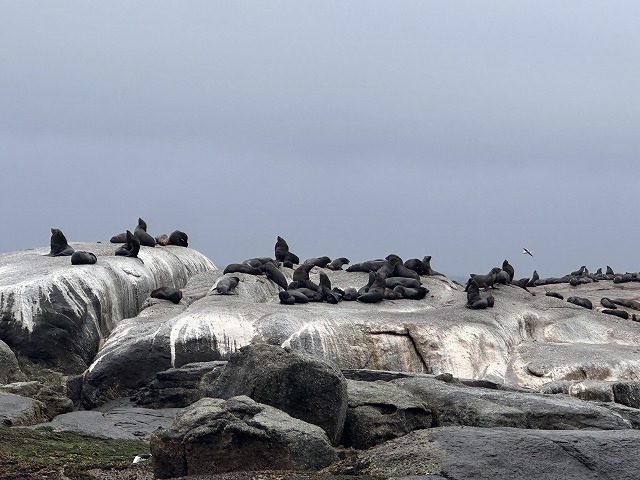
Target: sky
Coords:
[[463, 130]]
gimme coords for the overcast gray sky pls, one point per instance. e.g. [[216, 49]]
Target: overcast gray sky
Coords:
[[464, 130]]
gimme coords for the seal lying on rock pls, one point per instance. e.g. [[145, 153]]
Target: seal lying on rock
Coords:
[[580, 301], [375, 293], [162, 240], [241, 268], [59, 245], [321, 262], [555, 295], [167, 293], [227, 285], [617, 313], [274, 274], [179, 239], [399, 270], [83, 258], [119, 238], [484, 281], [368, 266]]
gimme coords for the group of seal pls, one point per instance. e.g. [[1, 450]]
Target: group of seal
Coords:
[[177, 237]]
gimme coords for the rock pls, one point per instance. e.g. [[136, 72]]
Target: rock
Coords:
[[9, 367], [303, 387], [55, 403], [453, 404], [117, 420], [379, 411], [16, 410], [216, 436], [45, 302], [459, 453], [179, 387], [627, 393]]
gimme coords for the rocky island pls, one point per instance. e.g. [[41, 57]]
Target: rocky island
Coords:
[[245, 377]]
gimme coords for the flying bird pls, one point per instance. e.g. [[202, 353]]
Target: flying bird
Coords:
[[526, 252]]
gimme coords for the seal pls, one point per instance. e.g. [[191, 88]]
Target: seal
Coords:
[[617, 313], [83, 258], [337, 263], [367, 266], [507, 267], [131, 248], [393, 282], [167, 293], [140, 231], [59, 245], [350, 294], [416, 265], [375, 292], [581, 302], [227, 285], [484, 281], [119, 238], [555, 295], [178, 238], [410, 293], [476, 300], [583, 271], [274, 274], [256, 262], [626, 303], [321, 262], [534, 279], [241, 268], [162, 240], [301, 273], [399, 270], [282, 252], [609, 271], [502, 278]]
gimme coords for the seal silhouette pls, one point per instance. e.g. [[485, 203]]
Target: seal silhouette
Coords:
[[337, 263], [179, 239], [141, 232], [227, 285], [59, 245], [131, 248], [167, 293], [283, 254], [83, 258]]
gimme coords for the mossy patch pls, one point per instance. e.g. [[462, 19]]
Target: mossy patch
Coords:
[[25, 451]]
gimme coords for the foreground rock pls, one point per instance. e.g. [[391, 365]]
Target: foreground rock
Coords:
[[498, 453], [217, 436], [116, 420], [46, 302], [303, 387], [9, 368], [16, 410]]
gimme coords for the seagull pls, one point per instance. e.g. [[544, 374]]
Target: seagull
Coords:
[[141, 458], [526, 252]]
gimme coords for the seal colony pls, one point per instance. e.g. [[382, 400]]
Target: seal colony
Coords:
[[389, 278]]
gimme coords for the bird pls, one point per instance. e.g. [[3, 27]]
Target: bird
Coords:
[[525, 251]]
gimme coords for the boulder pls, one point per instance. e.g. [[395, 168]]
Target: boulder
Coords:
[[117, 419], [216, 436], [45, 302], [302, 386], [460, 453], [379, 411], [457, 404], [179, 387], [54, 402], [16, 410], [9, 367]]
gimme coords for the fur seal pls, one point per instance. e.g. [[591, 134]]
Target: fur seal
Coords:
[[578, 273], [162, 240], [426, 262], [179, 239], [393, 282], [131, 248], [119, 238], [59, 245], [274, 274], [367, 266], [476, 300], [416, 265], [241, 268], [301, 273], [609, 271], [626, 303], [581, 302], [534, 279], [399, 270], [410, 293], [507, 267], [167, 293], [83, 258], [140, 231], [375, 292], [484, 281], [337, 263], [502, 278], [283, 254], [256, 262], [617, 313], [350, 294], [227, 285], [555, 295], [606, 303], [321, 262]]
